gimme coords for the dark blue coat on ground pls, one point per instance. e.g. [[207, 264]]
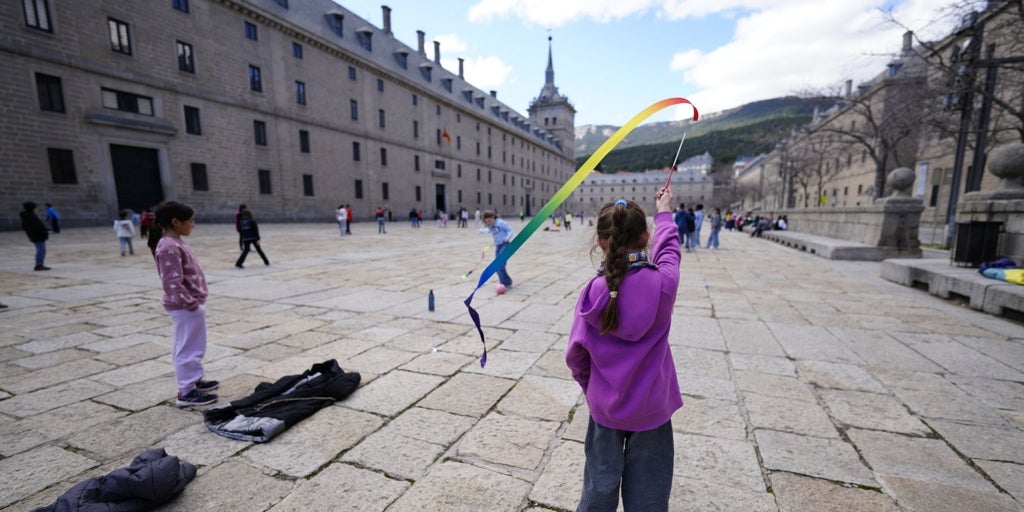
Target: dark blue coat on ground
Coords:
[[152, 479]]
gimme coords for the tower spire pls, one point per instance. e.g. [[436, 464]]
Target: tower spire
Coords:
[[549, 75]]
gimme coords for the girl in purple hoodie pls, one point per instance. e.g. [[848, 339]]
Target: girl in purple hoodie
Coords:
[[619, 354]]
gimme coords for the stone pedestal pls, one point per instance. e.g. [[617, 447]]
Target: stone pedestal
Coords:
[[1004, 204]]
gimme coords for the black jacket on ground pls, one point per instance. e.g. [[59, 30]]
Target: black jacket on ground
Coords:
[[274, 408], [34, 228], [152, 479]]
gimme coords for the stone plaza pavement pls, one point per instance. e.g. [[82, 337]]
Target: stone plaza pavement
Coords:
[[810, 385]]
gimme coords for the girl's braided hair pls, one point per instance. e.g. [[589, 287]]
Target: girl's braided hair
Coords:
[[622, 225]]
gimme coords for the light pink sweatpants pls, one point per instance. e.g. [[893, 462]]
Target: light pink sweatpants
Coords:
[[189, 347]]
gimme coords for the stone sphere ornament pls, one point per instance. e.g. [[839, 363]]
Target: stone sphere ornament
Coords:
[[1007, 163], [899, 181]]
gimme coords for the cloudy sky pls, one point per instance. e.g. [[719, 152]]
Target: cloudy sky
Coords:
[[612, 58]]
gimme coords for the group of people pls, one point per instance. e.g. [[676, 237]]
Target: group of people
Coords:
[[618, 351], [690, 221]]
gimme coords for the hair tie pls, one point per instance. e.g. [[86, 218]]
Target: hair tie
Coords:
[[613, 294], [621, 202]]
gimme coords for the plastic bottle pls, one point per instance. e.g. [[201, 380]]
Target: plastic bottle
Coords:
[[430, 300]]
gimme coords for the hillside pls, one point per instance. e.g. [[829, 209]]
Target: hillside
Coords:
[[589, 137], [724, 145]]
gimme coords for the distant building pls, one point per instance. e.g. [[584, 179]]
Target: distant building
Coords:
[[291, 107], [691, 183]]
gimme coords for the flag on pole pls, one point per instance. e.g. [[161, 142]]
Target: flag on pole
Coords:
[[445, 136]]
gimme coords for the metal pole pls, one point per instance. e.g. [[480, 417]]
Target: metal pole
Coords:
[[985, 114]]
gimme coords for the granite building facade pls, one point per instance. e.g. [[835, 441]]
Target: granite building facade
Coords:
[[289, 107]]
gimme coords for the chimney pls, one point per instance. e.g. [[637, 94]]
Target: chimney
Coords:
[[494, 94], [460, 69], [437, 52], [419, 39], [387, 19], [908, 42], [849, 89]]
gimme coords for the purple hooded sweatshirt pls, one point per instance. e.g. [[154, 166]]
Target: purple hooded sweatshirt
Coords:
[[628, 375]]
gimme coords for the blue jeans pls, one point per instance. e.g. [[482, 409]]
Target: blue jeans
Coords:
[[713, 239], [380, 225], [640, 461], [40, 253], [503, 277], [696, 237]]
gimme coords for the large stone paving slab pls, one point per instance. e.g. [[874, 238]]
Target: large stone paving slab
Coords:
[[723, 461], [467, 394], [831, 459], [458, 487], [797, 493], [916, 458], [561, 483], [343, 487], [34, 470], [508, 440], [871, 411], [231, 486], [393, 393], [929, 496]]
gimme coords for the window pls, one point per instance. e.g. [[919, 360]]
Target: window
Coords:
[[356, 156], [199, 181], [264, 177], [186, 62], [402, 58], [120, 41], [439, 165], [251, 32], [336, 22], [307, 185], [365, 38], [181, 5], [282, 3], [297, 50], [192, 125], [384, 190], [255, 81], [351, 73], [416, 163], [127, 102], [415, 129], [304, 141], [415, 100], [383, 157], [259, 129], [419, 194], [37, 14], [51, 94], [300, 92], [359, 189], [438, 136], [380, 118], [62, 166], [380, 85], [353, 107]]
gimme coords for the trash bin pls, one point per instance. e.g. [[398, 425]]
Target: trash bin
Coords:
[[976, 243]]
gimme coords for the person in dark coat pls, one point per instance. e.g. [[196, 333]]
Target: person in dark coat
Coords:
[[250, 234], [36, 231]]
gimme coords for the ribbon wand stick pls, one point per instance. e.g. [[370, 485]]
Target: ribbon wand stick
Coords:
[[676, 160]]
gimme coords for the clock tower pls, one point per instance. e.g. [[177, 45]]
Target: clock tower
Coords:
[[551, 111]]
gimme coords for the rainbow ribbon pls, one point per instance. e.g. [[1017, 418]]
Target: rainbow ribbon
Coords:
[[563, 193]]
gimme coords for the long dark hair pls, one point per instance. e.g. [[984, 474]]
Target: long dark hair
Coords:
[[622, 225], [162, 217]]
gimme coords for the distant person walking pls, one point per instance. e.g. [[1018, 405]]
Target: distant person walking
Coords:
[[342, 216], [350, 217], [184, 299], [381, 219], [125, 231], [250, 237], [237, 215], [36, 231], [53, 218], [145, 220], [716, 228], [698, 222]]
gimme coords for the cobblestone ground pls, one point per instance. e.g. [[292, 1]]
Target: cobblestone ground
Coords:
[[809, 385]]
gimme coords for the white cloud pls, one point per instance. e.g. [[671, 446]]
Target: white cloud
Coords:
[[484, 72], [792, 46], [451, 44], [547, 13]]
